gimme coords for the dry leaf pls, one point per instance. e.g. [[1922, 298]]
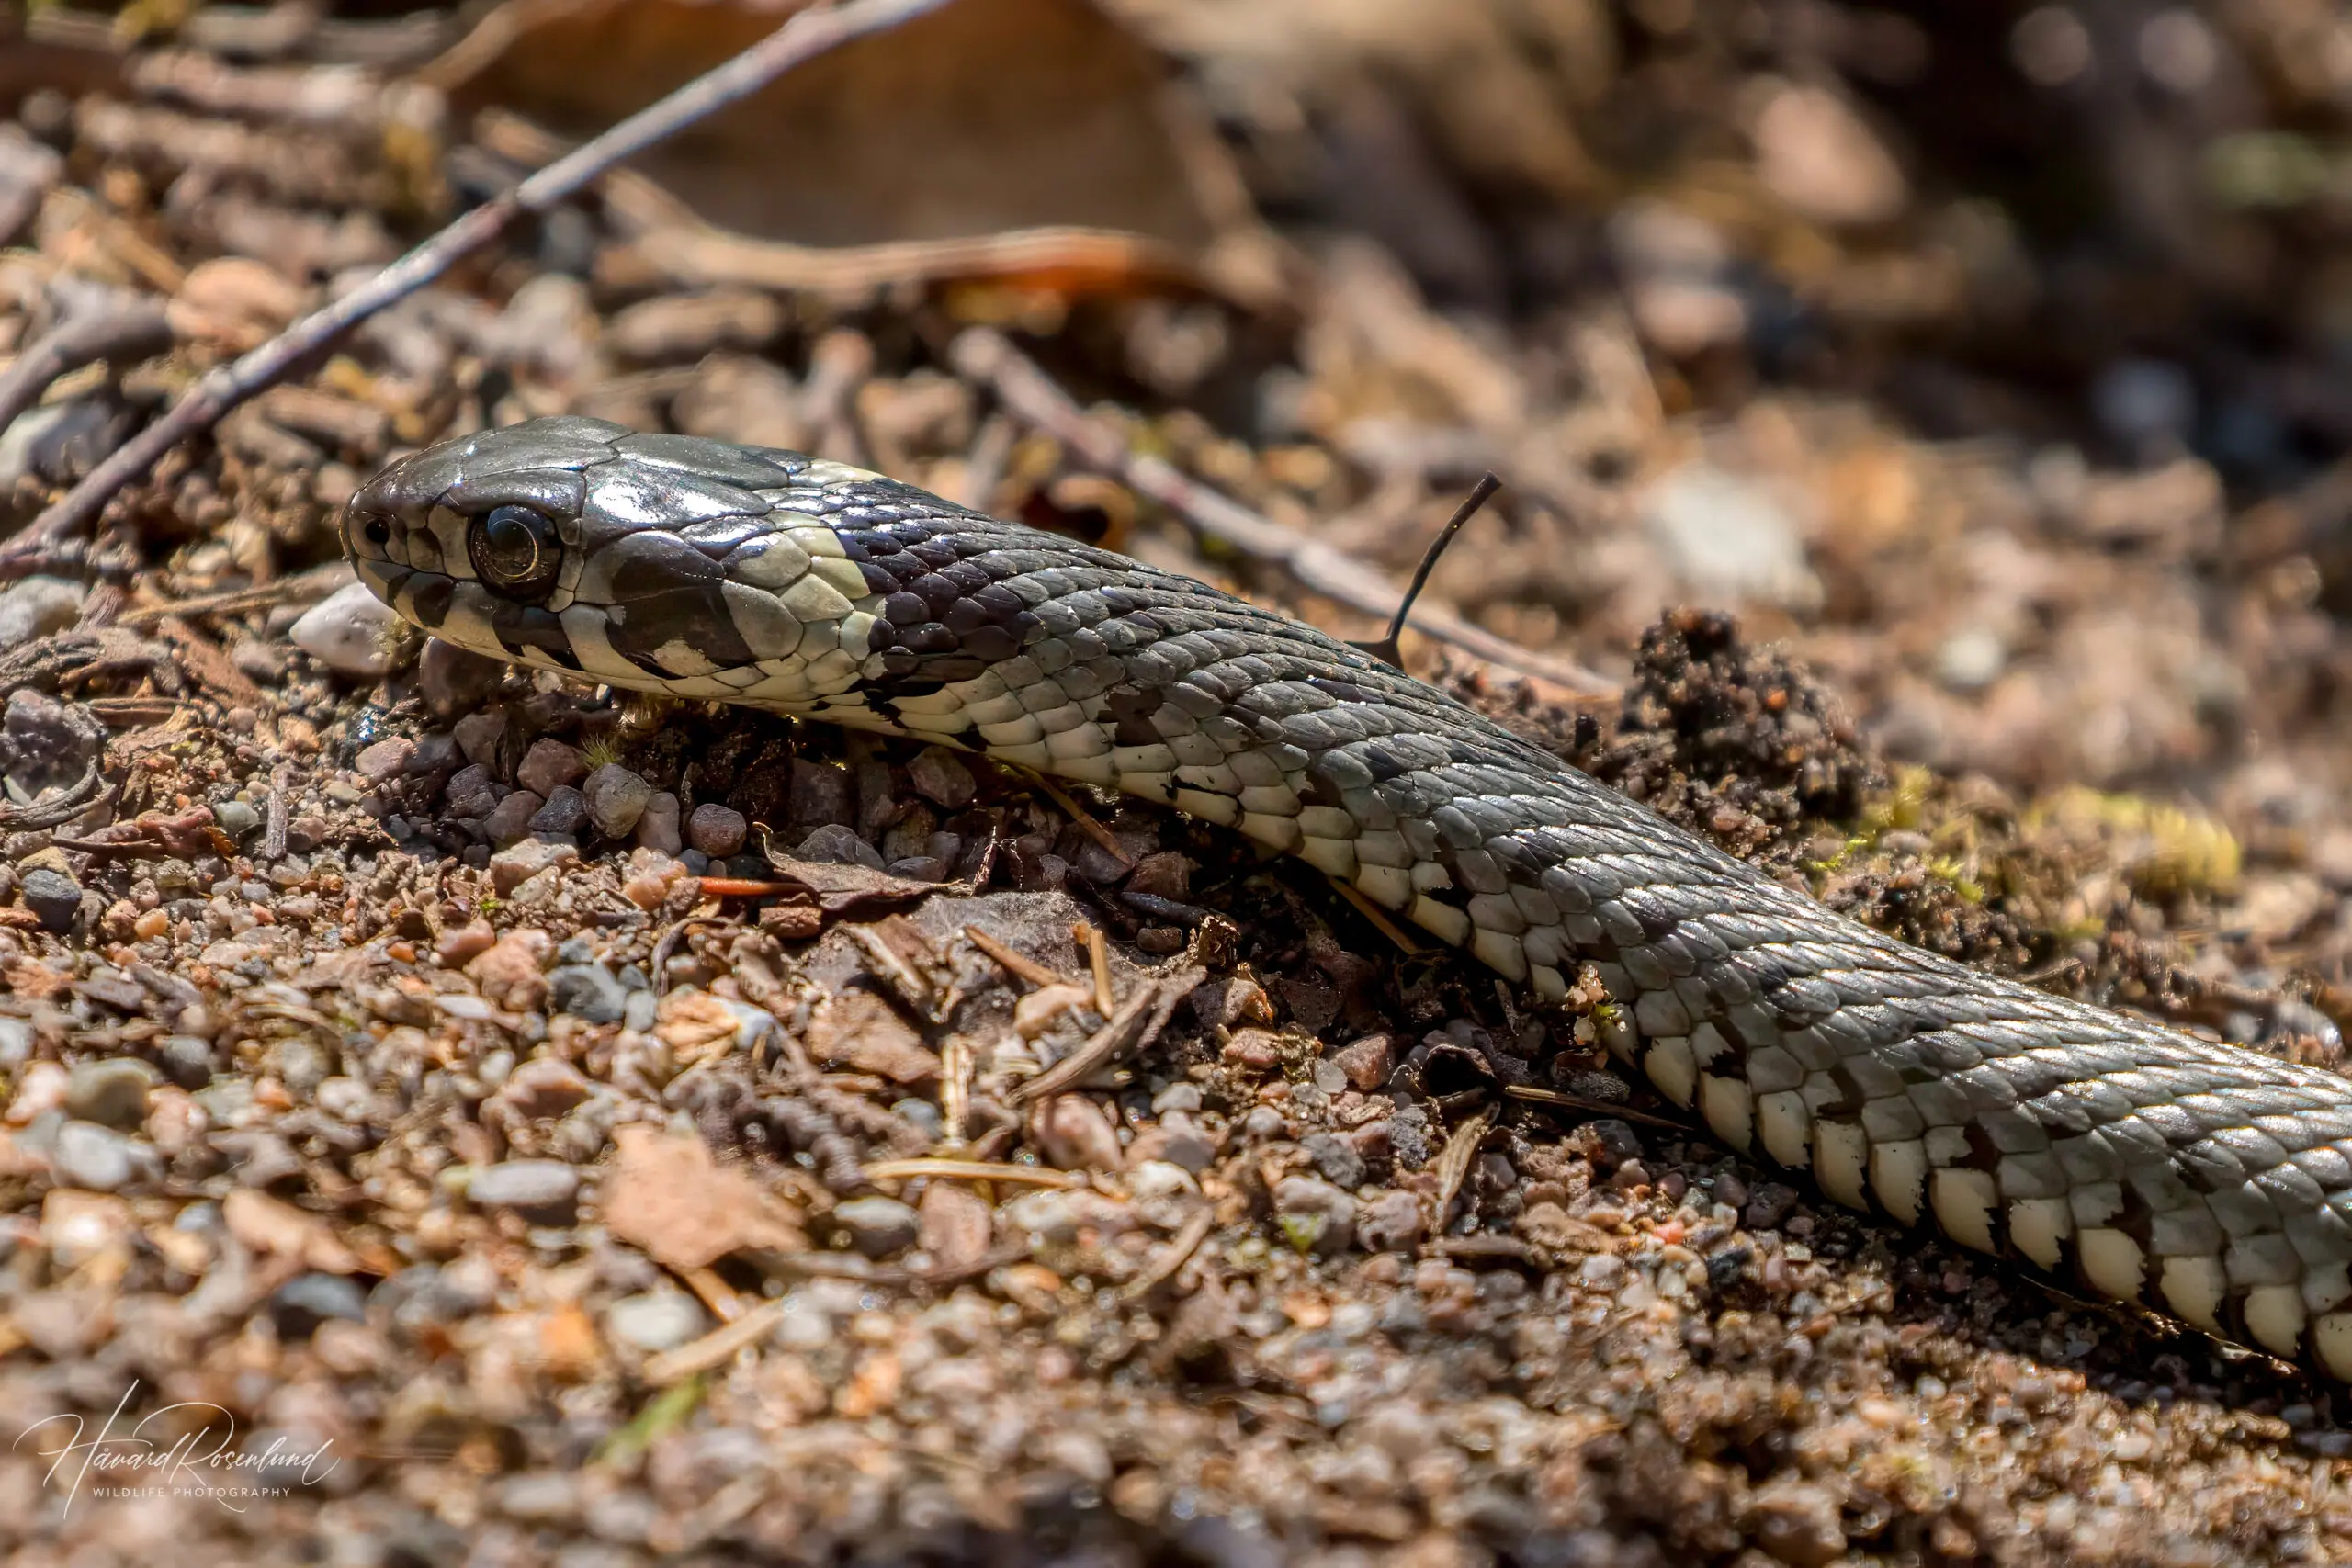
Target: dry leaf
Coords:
[[668, 1197], [859, 1031], [688, 1021], [1037, 1012], [1010, 120]]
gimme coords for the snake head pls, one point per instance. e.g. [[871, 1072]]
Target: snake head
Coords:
[[649, 561], [490, 519]]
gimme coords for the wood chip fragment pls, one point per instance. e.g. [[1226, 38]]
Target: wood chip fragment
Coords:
[[1454, 1165], [667, 1197], [1020, 966]]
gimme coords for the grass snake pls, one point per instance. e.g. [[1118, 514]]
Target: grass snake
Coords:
[[2201, 1179]]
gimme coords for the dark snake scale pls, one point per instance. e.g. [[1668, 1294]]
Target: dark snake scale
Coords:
[[2204, 1180]]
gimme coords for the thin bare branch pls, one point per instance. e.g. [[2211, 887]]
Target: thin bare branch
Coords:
[[129, 328], [984, 355], [808, 34], [1388, 648]]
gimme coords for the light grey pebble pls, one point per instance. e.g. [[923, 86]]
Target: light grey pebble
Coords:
[[524, 1184], [716, 830], [37, 606], [260, 660], [187, 1059], [587, 991], [836, 845], [1264, 1121], [657, 829], [617, 799], [111, 1091], [656, 1320], [235, 818], [94, 1158], [1729, 538], [879, 1226], [53, 896], [638, 1011], [550, 762], [1315, 1215], [300, 1305], [1972, 659], [542, 1496], [345, 631]]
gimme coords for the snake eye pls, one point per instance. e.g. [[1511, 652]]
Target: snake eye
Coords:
[[517, 551]]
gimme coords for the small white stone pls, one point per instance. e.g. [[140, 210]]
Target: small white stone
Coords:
[[37, 606], [345, 631]]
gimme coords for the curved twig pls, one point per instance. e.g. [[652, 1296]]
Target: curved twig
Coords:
[[79, 796], [808, 34]]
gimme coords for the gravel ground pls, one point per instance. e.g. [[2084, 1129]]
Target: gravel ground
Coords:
[[471, 1118]]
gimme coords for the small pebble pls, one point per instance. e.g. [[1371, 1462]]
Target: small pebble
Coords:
[[587, 991], [510, 868], [453, 679], [385, 760], [879, 1226], [566, 812], [94, 1158], [478, 735], [1315, 1215], [472, 792], [37, 606], [510, 820], [186, 1060], [345, 632], [460, 945], [657, 829], [549, 763], [306, 1300], [235, 818], [524, 1184], [1392, 1223], [617, 799], [656, 1320], [435, 754], [111, 1091], [1334, 1159], [718, 830], [835, 845], [53, 896], [820, 793], [940, 777]]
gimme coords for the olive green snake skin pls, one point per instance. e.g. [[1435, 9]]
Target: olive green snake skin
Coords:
[[2204, 1180]]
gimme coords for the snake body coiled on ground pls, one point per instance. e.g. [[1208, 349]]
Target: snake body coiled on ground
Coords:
[[2201, 1179]]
